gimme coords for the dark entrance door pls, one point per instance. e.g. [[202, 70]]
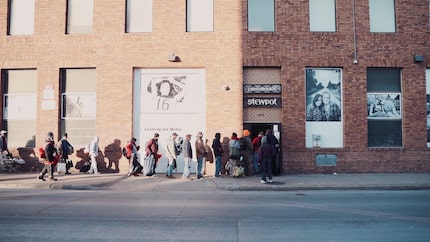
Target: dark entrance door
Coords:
[[255, 128]]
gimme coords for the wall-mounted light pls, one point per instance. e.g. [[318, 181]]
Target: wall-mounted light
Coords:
[[418, 58], [173, 58]]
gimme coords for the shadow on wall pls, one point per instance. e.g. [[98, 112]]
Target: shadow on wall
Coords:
[[107, 161], [32, 162]]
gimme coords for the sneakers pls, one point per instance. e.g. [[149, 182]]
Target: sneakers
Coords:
[[270, 181], [41, 178], [263, 182]]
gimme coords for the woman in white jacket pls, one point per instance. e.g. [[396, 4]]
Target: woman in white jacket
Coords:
[[94, 151]]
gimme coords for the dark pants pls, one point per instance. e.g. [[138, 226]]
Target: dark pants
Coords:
[[266, 166]]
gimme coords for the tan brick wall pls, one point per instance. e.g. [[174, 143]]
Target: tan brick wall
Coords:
[[223, 53]]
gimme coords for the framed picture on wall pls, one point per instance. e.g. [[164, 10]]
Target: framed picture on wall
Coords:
[[384, 106], [79, 105]]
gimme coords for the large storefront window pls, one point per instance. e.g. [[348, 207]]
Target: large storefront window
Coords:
[[78, 104], [324, 122], [20, 106], [384, 112]]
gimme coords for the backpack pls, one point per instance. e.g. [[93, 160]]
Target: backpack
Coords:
[[243, 143], [124, 153], [42, 154]]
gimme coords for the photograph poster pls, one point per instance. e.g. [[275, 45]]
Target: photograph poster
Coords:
[[323, 102]]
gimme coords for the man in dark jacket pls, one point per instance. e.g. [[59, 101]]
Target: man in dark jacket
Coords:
[[266, 154], [218, 151]]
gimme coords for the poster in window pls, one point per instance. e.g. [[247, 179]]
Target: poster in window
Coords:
[[323, 95], [79, 106], [19, 106], [383, 106]]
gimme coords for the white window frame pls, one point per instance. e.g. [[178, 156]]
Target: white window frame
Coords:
[[21, 18], [261, 9], [200, 16], [80, 16], [382, 16], [322, 15], [139, 16]]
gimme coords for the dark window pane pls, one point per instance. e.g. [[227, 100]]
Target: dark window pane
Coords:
[[383, 80], [384, 133]]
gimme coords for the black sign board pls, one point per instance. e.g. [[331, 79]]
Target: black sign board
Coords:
[[262, 88], [265, 102]]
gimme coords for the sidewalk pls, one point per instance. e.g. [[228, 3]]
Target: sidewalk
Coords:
[[115, 181]]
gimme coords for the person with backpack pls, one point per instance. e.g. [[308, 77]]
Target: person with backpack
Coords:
[[151, 148], [233, 154], [65, 149], [131, 154], [246, 150], [49, 157]]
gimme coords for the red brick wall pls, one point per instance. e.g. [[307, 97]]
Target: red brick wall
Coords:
[[293, 47]]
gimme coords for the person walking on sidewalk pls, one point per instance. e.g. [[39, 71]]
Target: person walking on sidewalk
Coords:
[[65, 149], [50, 159], [187, 152], [266, 154], [94, 152], [218, 152]]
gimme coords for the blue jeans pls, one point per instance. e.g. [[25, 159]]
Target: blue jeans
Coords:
[[170, 167], [187, 167], [199, 167], [218, 165], [256, 170]]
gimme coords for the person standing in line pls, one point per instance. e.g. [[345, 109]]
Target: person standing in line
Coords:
[[187, 152], [233, 154], [94, 151], [246, 151], [218, 151], [171, 154], [132, 149], [273, 141], [65, 149], [200, 153], [256, 143], [151, 147], [266, 154], [3, 143], [50, 158]]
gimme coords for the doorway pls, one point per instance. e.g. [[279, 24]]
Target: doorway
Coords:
[[255, 128]]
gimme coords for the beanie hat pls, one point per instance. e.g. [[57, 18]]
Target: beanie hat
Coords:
[[246, 132]]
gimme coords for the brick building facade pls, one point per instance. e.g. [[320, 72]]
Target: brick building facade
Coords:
[[113, 68]]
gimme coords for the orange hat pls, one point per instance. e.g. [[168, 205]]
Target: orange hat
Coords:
[[246, 132]]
